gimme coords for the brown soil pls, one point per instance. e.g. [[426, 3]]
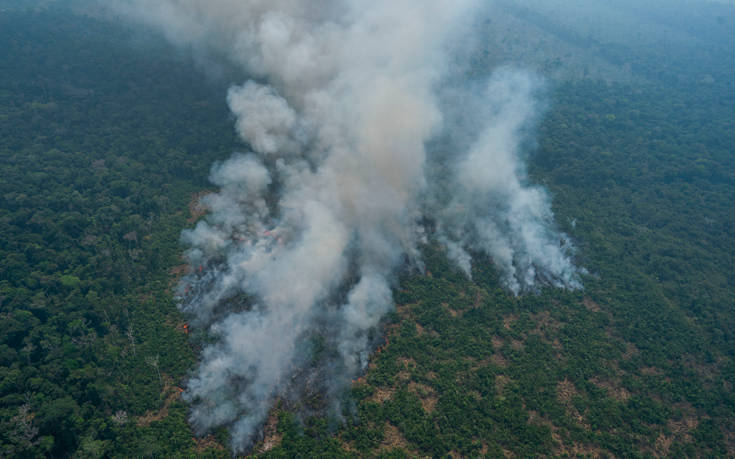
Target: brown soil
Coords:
[[382, 394], [630, 351], [509, 320], [271, 437], [426, 394], [565, 391], [613, 388], [651, 371], [545, 324], [196, 209], [517, 345], [498, 360], [500, 382], [176, 273], [590, 305], [152, 416], [208, 443], [393, 438]]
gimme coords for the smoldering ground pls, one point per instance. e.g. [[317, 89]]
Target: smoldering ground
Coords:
[[298, 253]]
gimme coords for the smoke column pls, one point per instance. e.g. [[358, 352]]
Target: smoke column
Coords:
[[303, 239]]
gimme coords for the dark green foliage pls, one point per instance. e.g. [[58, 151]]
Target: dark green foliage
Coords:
[[100, 152]]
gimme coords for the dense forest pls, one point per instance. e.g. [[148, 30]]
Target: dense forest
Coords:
[[106, 140], [101, 153]]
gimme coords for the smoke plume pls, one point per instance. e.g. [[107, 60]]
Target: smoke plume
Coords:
[[302, 241]]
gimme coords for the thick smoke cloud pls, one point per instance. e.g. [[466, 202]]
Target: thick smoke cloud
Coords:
[[304, 237], [491, 208]]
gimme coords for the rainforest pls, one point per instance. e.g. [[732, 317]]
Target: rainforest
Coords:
[[465, 229]]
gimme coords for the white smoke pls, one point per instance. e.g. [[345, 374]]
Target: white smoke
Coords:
[[264, 118], [307, 231], [492, 209]]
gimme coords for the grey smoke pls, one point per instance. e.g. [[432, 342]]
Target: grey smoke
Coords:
[[307, 230], [493, 209]]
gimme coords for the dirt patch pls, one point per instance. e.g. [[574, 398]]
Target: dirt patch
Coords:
[[630, 351], [577, 449], [426, 394], [271, 437], [545, 324], [509, 320], [533, 416], [682, 427], [547, 328], [484, 363], [408, 365], [706, 371], [382, 394], [572, 449], [480, 296], [393, 438], [404, 310], [403, 375], [475, 394], [565, 391], [407, 362], [651, 371], [500, 382], [662, 446], [153, 416], [613, 388], [208, 443], [679, 432], [591, 305], [728, 430], [196, 208], [471, 361], [498, 360], [176, 273]]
